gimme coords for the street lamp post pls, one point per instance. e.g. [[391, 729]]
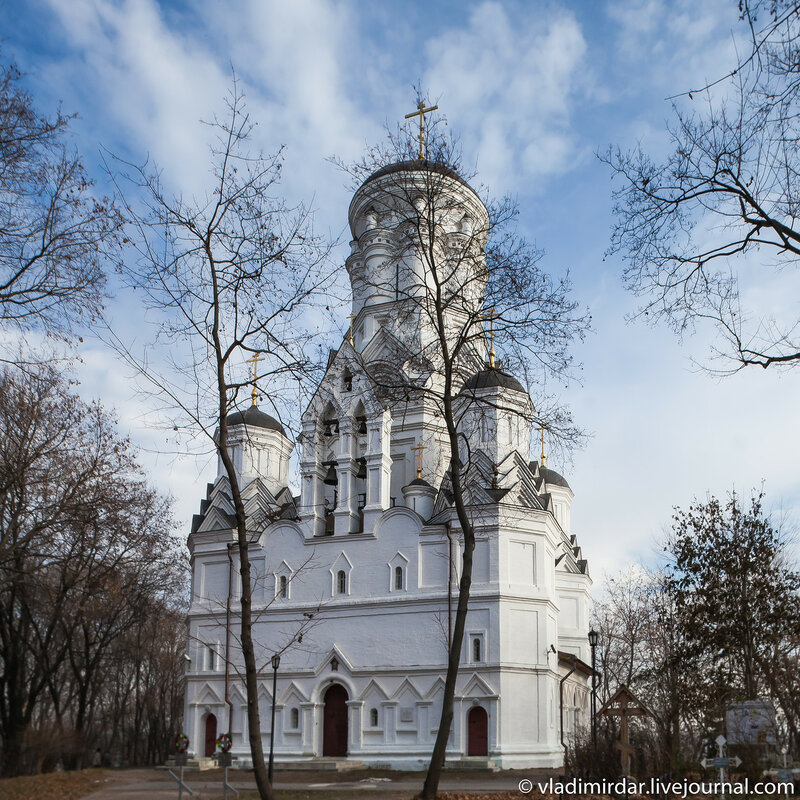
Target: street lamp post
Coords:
[[594, 637], [276, 662]]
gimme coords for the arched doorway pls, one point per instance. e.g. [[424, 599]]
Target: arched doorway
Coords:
[[334, 728], [211, 735], [477, 732]]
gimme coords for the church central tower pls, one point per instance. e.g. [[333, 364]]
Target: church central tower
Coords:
[[418, 273], [417, 229]]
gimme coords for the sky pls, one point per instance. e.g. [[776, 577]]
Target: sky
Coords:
[[535, 90]]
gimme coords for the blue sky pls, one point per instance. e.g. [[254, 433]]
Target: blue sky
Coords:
[[534, 89]]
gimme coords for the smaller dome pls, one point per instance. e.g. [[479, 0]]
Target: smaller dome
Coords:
[[255, 419], [552, 477], [490, 377], [420, 482]]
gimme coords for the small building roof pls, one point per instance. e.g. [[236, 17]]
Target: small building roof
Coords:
[[490, 377], [255, 418], [552, 477]]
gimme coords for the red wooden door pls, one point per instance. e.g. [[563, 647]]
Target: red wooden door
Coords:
[[211, 735], [334, 729], [477, 732]]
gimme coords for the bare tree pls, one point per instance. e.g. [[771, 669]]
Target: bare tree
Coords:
[[724, 204], [455, 267], [55, 234], [229, 277], [85, 542], [642, 645], [717, 624]]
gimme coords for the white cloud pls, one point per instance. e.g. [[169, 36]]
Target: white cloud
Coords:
[[510, 85]]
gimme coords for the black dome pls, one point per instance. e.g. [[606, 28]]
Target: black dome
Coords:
[[255, 419], [490, 377], [552, 477], [416, 164], [420, 482]]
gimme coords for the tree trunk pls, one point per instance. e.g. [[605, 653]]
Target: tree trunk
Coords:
[[248, 653], [434, 773]]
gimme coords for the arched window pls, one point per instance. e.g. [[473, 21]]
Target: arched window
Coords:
[[398, 578], [373, 717], [476, 649], [295, 718], [341, 582], [212, 657], [283, 590]]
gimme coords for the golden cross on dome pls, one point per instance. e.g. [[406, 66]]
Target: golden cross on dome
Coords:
[[491, 337], [254, 361], [419, 448], [352, 317], [420, 112], [542, 429]]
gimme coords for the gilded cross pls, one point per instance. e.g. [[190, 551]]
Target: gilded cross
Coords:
[[352, 317], [491, 337], [254, 361], [419, 448], [420, 112], [542, 430]]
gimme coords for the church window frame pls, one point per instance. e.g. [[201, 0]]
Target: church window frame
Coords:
[[282, 586], [398, 562], [476, 653], [212, 655], [373, 718], [294, 719], [341, 587]]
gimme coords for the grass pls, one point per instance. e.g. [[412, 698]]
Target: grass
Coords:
[[53, 785]]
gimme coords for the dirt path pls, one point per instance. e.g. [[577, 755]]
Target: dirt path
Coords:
[[153, 784]]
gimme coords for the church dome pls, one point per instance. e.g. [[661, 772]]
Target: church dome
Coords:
[[491, 377], [415, 165], [255, 419], [553, 478]]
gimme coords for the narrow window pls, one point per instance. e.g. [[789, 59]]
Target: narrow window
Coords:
[[295, 718], [398, 578], [283, 589], [212, 658], [476, 649], [341, 582], [373, 717]]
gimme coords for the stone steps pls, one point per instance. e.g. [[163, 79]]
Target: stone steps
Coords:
[[472, 762]]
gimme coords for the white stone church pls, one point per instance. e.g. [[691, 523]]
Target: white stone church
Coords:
[[357, 577]]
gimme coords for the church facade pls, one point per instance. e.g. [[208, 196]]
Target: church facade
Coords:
[[356, 579]]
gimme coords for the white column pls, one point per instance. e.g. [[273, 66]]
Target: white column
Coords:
[[355, 726]]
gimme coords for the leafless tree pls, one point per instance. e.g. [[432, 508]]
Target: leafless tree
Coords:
[[230, 276], [643, 646], [56, 235], [455, 267], [86, 544], [724, 204]]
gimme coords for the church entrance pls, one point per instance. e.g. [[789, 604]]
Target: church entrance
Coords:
[[334, 728], [211, 735], [477, 732]]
